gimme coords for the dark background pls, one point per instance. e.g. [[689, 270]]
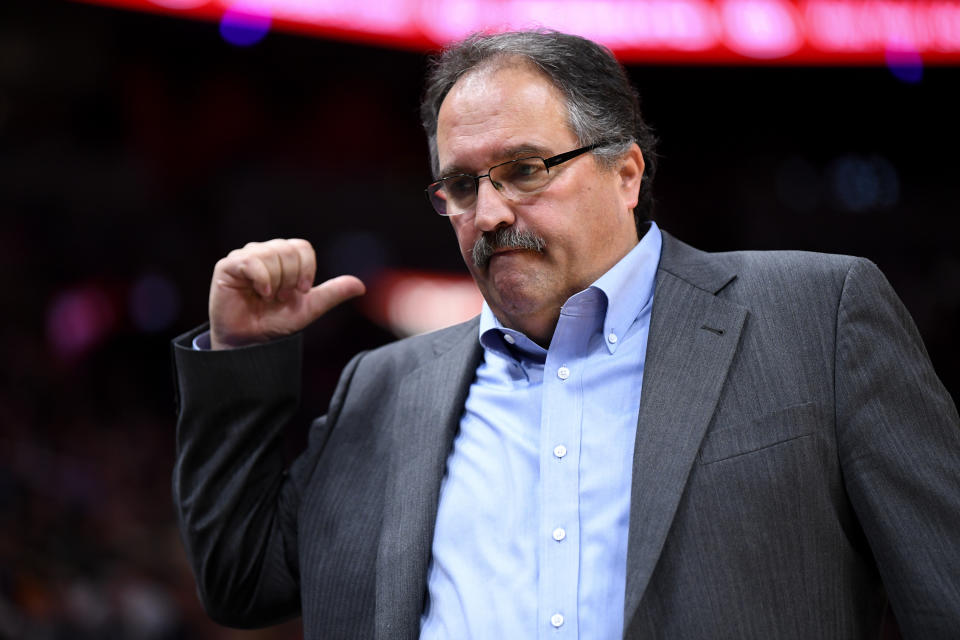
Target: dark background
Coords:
[[136, 150]]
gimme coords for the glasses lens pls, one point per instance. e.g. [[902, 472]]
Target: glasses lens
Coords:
[[520, 176], [453, 195], [437, 198], [461, 190]]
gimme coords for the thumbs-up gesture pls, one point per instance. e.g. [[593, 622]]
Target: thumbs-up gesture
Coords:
[[265, 291]]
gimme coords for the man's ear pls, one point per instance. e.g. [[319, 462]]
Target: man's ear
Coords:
[[630, 173]]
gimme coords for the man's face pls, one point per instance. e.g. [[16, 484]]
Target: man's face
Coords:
[[584, 216]]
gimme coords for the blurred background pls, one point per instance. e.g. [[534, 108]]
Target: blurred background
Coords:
[[137, 148]]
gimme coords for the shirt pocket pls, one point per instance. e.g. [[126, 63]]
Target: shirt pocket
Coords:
[[769, 430]]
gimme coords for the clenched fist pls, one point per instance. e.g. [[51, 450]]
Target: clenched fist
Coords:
[[265, 290]]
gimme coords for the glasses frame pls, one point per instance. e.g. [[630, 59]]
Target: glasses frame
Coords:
[[552, 161]]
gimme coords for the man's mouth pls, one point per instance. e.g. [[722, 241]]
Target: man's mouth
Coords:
[[502, 241]]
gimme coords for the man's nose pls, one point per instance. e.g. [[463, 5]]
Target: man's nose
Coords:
[[492, 209]]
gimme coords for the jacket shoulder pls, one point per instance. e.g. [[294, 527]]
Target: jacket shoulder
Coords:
[[775, 271]]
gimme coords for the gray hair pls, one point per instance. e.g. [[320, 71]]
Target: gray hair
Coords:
[[601, 103]]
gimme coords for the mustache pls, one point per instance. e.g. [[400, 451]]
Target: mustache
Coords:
[[504, 238]]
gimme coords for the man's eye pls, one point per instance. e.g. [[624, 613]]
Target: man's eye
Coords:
[[459, 187], [529, 171]]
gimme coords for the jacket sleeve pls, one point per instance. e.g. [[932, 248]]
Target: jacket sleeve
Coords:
[[236, 504], [899, 446]]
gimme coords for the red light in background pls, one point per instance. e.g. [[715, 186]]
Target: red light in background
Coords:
[[658, 31], [761, 28], [851, 27], [180, 5], [412, 302]]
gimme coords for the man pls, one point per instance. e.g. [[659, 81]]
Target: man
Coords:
[[646, 441]]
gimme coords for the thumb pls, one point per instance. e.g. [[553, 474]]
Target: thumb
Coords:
[[327, 295]]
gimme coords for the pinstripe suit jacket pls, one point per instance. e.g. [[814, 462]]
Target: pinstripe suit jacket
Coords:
[[797, 465]]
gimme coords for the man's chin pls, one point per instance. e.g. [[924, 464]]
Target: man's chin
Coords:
[[513, 289], [511, 279], [513, 266]]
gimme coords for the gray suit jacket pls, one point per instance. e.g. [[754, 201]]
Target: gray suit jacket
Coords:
[[797, 463]]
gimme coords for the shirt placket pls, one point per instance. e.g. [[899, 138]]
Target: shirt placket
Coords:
[[559, 525]]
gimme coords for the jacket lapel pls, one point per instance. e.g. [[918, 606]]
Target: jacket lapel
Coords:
[[429, 406], [693, 337]]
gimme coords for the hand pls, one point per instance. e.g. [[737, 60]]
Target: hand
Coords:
[[265, 290]]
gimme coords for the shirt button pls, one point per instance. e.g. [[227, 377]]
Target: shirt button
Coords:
[[612, 338], [563, 373], [556, 620], [559, 451], [559, 534], [509, 338]]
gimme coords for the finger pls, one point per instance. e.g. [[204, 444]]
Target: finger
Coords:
[[246, 271], [327, 295], [271, 262], [308, 264], [289, 266]]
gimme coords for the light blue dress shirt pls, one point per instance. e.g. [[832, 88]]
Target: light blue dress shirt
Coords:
[[531, 533]]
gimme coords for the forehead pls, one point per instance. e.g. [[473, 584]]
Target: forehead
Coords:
[[492, 111]]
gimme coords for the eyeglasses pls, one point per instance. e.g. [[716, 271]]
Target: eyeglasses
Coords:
[[457, 194]]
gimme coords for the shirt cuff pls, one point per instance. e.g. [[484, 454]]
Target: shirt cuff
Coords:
[[202, 342]]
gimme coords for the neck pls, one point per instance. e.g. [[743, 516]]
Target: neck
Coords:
[[539, 329]]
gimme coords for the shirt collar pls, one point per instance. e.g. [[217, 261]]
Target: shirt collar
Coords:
[[627, 287]]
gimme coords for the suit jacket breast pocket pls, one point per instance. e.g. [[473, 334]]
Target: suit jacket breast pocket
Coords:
[[769, 430]]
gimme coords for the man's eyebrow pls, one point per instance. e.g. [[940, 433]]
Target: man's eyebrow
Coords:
[[524, 150], [505, 155], [452, 170]]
